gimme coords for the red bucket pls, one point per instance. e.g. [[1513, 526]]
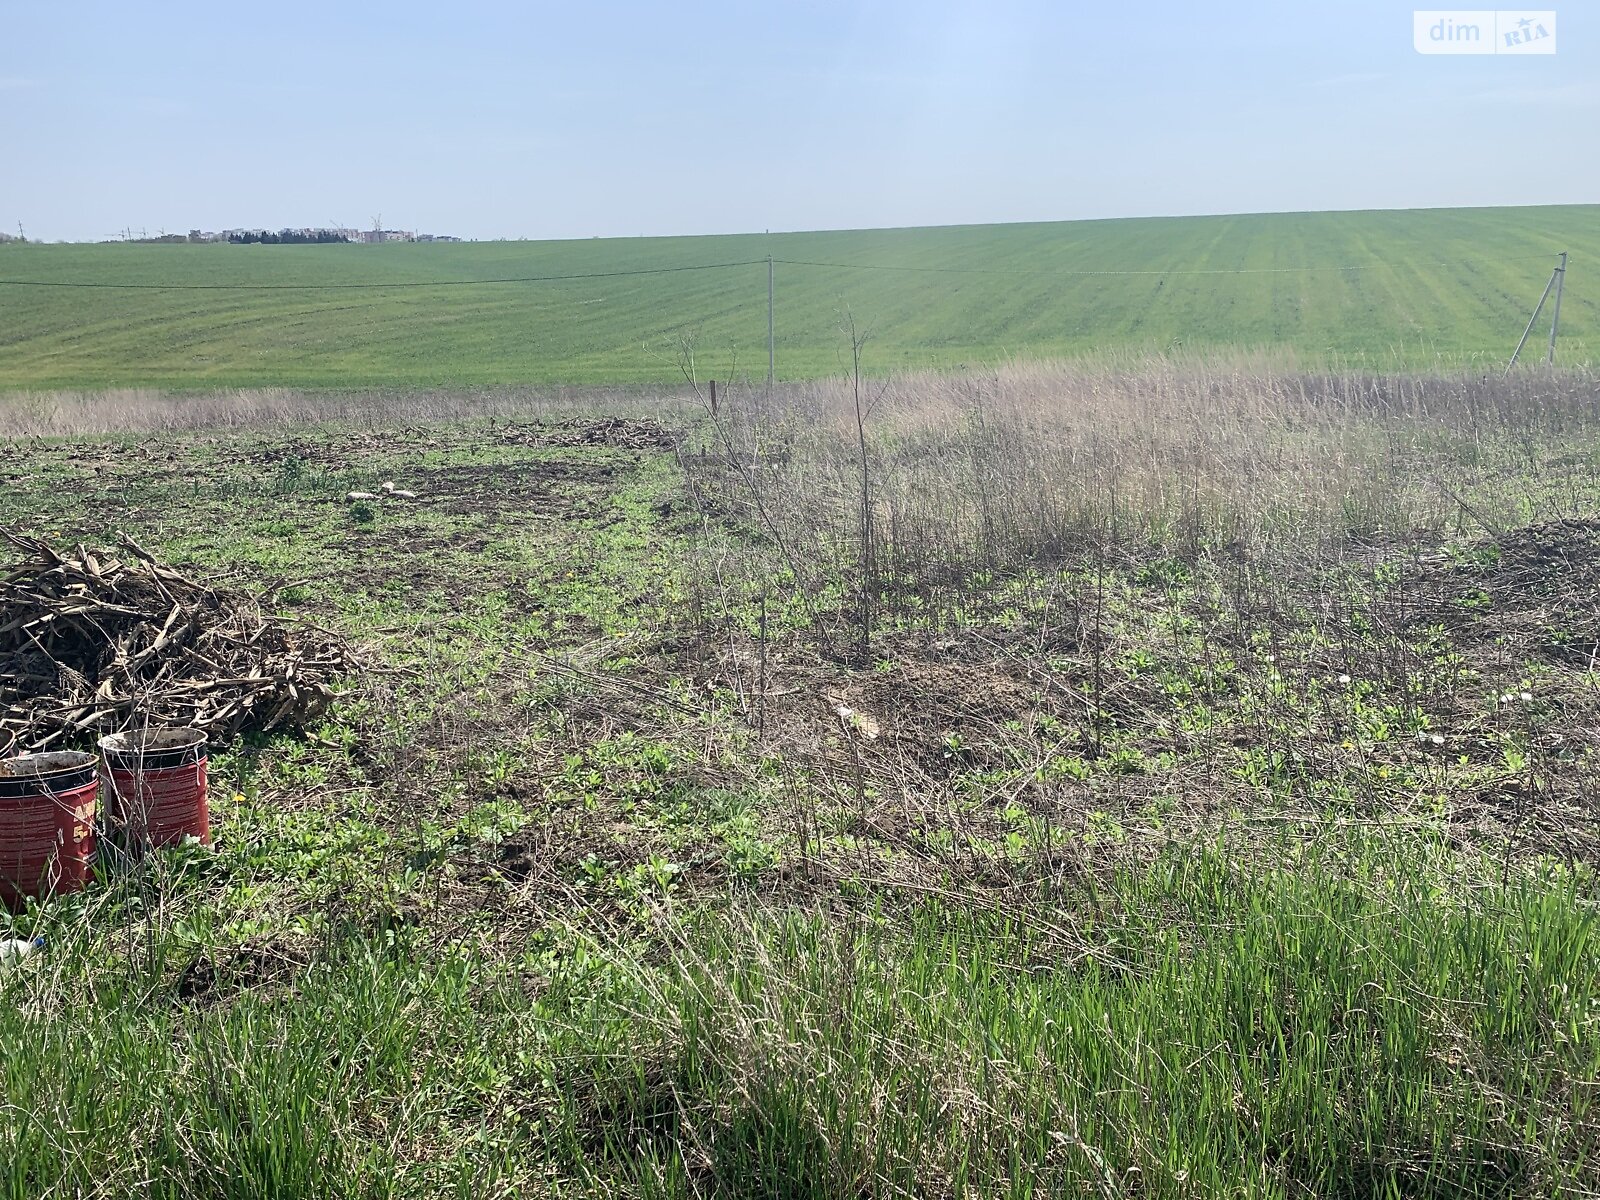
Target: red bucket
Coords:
[[157, 785], [46, 825]]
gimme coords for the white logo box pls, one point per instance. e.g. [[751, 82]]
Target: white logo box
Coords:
[[1483, 31]]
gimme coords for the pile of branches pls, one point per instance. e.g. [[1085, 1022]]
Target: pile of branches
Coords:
[[617, 433], [97, 645]]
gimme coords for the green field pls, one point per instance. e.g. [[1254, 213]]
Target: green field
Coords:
[[1406, 289]]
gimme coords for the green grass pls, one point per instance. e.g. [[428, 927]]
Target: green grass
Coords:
[[1437, 287], [1363, 1020], [1219, 1030], [1155, 882]]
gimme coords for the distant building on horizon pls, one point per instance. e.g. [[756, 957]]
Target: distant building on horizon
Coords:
[[310, 234]]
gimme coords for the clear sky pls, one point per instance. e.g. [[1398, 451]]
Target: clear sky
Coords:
[[505, 119]]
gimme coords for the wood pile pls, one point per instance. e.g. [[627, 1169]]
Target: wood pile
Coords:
[[96, 644], [618, 433]]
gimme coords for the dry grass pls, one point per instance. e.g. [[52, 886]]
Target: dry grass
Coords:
[[1032, 463], [144, 410]]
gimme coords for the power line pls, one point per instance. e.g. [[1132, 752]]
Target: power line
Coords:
[[403, 283], [1038, 271], [1466, 262]]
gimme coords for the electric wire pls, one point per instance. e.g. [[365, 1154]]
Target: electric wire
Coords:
[[1037, 272]]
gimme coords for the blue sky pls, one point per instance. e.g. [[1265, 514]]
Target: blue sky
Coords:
[[542, 120]]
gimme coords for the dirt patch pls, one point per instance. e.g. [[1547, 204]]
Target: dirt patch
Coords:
[[351, 450], [1561, 546], [925, 700], [535, 490], [212, 976], [1534, 591], [619, 433], [934, 707], [354, 449], [1553, 572], [561, 865]]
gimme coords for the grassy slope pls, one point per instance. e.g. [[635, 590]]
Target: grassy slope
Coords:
[[1460, 290]]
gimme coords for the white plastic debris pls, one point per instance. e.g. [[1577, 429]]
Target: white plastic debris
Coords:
[[858, 721], [14, 950]]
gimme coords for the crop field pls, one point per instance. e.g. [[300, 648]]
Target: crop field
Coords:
[[1165, 779], [1420, 289]]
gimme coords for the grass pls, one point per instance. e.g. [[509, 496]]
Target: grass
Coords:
[[1349, 1025], [1433, 288], [1214, 815], [1214, 1017]]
